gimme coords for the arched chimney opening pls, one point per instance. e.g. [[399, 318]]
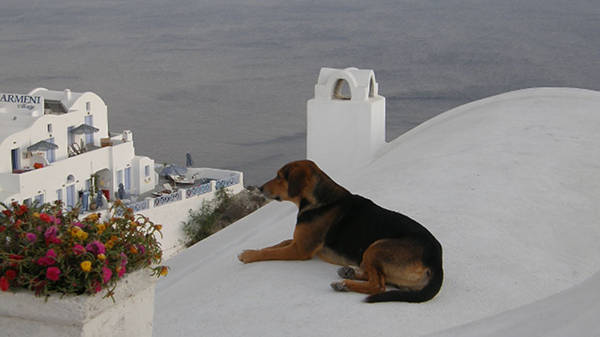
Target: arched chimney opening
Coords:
[[342, 90]]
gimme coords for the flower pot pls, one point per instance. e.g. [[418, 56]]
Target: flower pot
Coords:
[[130, 314]]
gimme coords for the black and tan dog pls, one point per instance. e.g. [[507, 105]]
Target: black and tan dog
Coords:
[[349, 230]]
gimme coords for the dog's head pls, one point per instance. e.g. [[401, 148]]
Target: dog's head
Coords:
[[303, 183], [294, 181]]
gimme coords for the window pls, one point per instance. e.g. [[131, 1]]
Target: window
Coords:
[[39, 199], [49, 127], [88, 106], [147, 170], [59, 194]]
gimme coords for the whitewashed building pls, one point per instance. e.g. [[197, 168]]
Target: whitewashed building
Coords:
[[55, 144]]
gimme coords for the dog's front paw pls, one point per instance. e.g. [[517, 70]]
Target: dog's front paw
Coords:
[[347, 273], [339, 286], [247, 256]]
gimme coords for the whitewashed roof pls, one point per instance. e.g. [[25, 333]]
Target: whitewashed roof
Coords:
[[510, 186]]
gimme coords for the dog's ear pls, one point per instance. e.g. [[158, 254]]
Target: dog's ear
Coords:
[[296, 179]]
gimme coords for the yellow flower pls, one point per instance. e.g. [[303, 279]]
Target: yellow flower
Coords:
[[79, 233], [110, 243], [36, 215], [101, 257], [92, 217], [164, 271], [100, 228], [158, 227], [86, 266], [133, 250]]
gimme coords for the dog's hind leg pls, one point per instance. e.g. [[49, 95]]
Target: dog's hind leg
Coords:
[[352, 273], [374, 280]]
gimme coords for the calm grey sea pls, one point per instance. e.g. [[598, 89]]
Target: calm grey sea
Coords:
[[228, 81]]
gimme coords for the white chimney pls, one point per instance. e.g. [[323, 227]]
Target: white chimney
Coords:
[[68, 94], [345, 130]]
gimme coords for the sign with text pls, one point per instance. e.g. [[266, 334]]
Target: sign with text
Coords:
[[13, 102]]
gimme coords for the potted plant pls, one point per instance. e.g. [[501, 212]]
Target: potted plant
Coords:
[[95, 276]]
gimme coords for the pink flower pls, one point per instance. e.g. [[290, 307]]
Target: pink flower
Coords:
[[50, 253], [78, 249], [121, 271], [50, 232], [96, 247], [53, 273], [31, 237], [56, 220], [97, 286], [47, 260], [106, 274], [78, 224], [123, 260]]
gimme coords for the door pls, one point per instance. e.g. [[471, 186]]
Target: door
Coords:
[[14, 156], [128, 179], [50, 154], [89, 137], [70, 196]]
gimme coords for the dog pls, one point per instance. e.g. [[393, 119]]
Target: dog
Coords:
[[374, 245]]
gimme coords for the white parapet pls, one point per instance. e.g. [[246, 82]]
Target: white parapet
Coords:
[[131, 313], [345, 129]]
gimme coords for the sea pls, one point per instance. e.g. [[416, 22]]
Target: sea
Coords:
[[227, 81]]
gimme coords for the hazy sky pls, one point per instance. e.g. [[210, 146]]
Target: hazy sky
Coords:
[[228, 81]]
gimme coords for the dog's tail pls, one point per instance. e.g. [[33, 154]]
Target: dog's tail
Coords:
[[412, 296]]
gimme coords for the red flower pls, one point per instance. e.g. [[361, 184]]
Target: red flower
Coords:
[[45, 261], [10, 274], [7, 212], [4, 283], [2, 228], [53, 273], [21, 210], [15, 257], [46, 218]]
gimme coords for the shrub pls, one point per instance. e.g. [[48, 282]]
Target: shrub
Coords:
[[47, 250], [220, 212]]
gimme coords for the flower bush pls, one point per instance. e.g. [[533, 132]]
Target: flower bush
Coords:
[[48, 250]]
